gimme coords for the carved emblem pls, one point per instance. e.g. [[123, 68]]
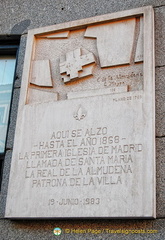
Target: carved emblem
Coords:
[[80, 113], [77, 65]]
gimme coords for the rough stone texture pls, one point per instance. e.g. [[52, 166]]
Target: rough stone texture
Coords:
[[43, 230], [160, 101], [20, 27], [12, 123], [160, 183], [20, 61], [16, 15], [159, 36], [4, 184]]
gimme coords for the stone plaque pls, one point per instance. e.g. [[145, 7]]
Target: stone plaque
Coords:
[[84, 143]]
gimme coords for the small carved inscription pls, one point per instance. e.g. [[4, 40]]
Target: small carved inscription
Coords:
[[74, 201], [118, 80], [121, 99]]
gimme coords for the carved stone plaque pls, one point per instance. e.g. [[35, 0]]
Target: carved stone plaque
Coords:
[[84, 143]]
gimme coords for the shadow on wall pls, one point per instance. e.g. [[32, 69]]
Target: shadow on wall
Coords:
[[20, 27]]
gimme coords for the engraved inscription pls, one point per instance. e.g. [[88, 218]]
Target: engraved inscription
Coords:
[[84, 142], [81, 157], [121, 79], [74, 201]]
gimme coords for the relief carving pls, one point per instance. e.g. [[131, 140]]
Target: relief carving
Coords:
[[80, 113], [41, 75], [85, 129], [76, 65], [115, 41], [102, 54]]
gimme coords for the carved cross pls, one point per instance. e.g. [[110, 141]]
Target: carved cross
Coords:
[[74, 64]]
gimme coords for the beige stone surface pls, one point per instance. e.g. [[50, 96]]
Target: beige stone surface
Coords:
[[58, 35], [91, 93], [91, 151], [41, 75], [114, 41], [140, 35], [38, 95]]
